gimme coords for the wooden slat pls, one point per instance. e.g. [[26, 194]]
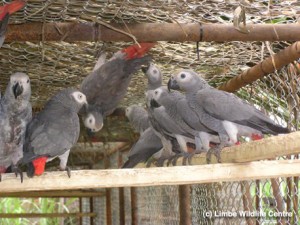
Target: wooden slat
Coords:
[[45, 215], [267, 148], [153, 176], [51, 194]]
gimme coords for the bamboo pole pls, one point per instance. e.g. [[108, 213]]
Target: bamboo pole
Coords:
[[142, 177], [267, 66], [150, 32]]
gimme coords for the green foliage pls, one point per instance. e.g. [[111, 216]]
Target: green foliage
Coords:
[[34, 205]]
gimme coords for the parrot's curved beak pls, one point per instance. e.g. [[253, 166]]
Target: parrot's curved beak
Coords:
[[154, 104], [172, 84], [145, 69], [17, 89]]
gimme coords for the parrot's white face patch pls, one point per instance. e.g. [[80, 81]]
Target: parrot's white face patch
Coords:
[[157, 93], [184, 77], [22, 79], [90, 122], [79, 97], [154, 72]]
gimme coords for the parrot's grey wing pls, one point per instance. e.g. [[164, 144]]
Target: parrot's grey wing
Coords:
[[226, 106], [189, 117], [108, 85], [46, 136], [101, 60], [168, 124], [147, 145]]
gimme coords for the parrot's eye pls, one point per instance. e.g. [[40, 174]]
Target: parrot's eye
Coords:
[[90, 120], [156, 92], [182, 75], [80, 96], [27, 81], [154, 71]]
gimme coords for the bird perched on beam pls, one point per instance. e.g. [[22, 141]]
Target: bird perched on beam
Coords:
[[222, 112]]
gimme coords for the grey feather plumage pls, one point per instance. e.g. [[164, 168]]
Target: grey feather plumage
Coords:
[[138, 118], [107, 85], [147, 145], [15, 114], [56, 128]]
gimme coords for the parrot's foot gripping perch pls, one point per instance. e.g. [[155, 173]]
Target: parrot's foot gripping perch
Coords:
[[17, 171], [66, 169], [187, 157], [216, 151]]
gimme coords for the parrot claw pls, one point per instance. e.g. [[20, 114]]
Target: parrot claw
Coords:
[[216, 152], [187, 157], [149, 162], [173, 159], [17, 171], [68, 171], [160, 161]]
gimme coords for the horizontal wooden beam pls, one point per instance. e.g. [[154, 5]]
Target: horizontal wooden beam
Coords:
[[178, 175], [151, 32], [45, 215], [267, 148], [53, 194]]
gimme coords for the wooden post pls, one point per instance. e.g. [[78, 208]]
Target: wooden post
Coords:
[[121, 194], [267, 66], [257, 199], [80, 210], [108, 195], [134, 209], [275, 184], [150, 32], [184, 204], [91, 210]]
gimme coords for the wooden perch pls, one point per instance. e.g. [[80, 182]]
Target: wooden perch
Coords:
[[150, 32], [255, 150], [267, 148], [178, 175], [267, 66]]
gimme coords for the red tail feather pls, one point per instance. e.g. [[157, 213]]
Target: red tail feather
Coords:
[[2, 169], [11, 8], [134, 51], [39, 165], [256, 137]]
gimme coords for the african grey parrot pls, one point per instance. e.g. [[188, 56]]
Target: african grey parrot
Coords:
[[5, 12], [15, 114], [154, 76], [178, 109], [138, 118], [107, 85], [53, 131], [223, 112], [148, 143]]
